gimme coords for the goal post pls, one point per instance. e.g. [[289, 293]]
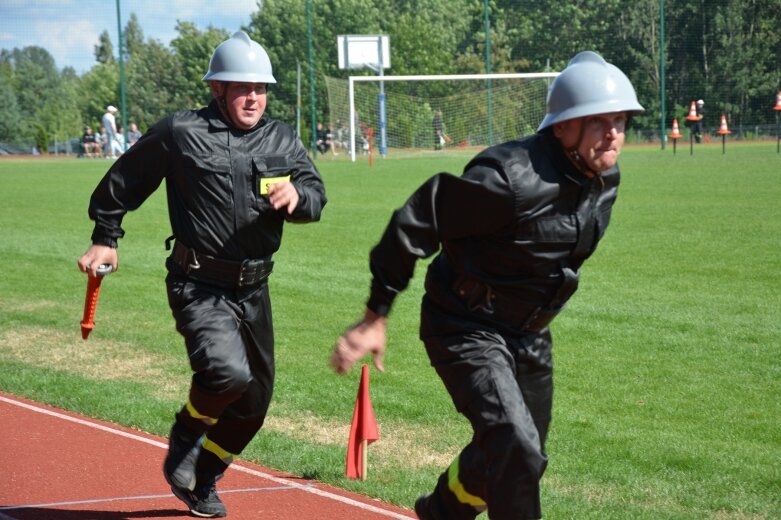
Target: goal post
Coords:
[[475, 109]]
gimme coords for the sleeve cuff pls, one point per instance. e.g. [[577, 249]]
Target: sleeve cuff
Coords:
[[380, 302], [104, 241]]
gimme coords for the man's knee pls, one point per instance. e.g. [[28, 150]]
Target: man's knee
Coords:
[[231, 377], [213, 390], [516, 449]]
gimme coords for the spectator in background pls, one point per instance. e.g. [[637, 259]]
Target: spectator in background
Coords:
[[697, 123], [439, 136], [133, 135], [342, 135], [364, 136], [100, 139], [329, 139], [118, 144], [325, 141], [90, 143], [109, 122]]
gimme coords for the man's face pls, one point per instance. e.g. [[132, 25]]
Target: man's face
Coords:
[[245, 102], [601, 140]]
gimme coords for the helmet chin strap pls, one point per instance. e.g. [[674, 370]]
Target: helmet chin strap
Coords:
[[223, 104], [575, 157], [224, 109]]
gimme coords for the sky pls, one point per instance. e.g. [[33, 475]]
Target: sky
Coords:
[[69, 29]]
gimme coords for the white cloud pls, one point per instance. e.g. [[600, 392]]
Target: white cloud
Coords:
[[68, 41], [206, 8], [69, 29]]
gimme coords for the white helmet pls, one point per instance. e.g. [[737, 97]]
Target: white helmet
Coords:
[[240, 59], [700, 102], [589, 86]]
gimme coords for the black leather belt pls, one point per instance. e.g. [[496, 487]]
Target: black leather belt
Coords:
[[226, 273], [480, 298]]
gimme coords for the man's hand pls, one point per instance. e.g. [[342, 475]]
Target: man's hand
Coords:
[[97, 255], [368, 335], [283, 195]]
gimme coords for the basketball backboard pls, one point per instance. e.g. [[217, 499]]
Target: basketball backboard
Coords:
[[358, 51]]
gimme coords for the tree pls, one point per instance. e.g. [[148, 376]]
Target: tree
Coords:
[[471, 57], [724, 51], [97, 89], [193, 50], [745, 66], [153, 81], [637, 31], [424, 36], [134, 37], [35, 81], [12, 116], [104, 50], [60, 116]]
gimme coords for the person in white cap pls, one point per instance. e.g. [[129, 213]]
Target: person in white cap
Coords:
[[109, 122], [511, 234], [697, 123], [233, 177]]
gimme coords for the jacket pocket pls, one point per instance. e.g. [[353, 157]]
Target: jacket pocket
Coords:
[[267, 170], [212, 184], [554, 229]]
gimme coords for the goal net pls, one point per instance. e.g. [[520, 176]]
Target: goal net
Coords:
[[477, 110]]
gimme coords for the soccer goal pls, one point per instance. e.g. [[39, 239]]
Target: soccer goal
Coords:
[[469, 110]]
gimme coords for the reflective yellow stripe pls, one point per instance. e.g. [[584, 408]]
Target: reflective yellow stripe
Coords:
[[458, 490], [223, 455], [195, 415]]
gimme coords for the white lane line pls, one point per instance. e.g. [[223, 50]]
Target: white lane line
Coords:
[[140, 497], [285, 482]]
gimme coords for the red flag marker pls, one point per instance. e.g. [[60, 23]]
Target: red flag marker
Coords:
[[91, 300], [363, 430]]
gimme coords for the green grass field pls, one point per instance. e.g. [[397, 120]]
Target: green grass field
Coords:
[[668, 359]]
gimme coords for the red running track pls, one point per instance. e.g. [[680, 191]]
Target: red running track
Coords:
[[56, 465]]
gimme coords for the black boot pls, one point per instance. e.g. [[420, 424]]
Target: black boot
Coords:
[[184, 445], [442, 504], [421, 508], [203, 500]]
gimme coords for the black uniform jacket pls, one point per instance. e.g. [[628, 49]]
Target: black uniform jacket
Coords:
[[513, 231], [213, 174]]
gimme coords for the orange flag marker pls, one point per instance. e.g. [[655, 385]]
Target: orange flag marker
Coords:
[[91, 300], [363, 430]]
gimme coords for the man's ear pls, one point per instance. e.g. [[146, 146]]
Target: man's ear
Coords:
[[217, 88]]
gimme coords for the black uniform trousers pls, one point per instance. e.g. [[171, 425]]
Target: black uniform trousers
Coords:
[[503, 384], [230, 343]]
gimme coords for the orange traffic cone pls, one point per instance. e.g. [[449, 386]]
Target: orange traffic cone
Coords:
[[692, 112], [723, 130], [778, 101], [676, 131]]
